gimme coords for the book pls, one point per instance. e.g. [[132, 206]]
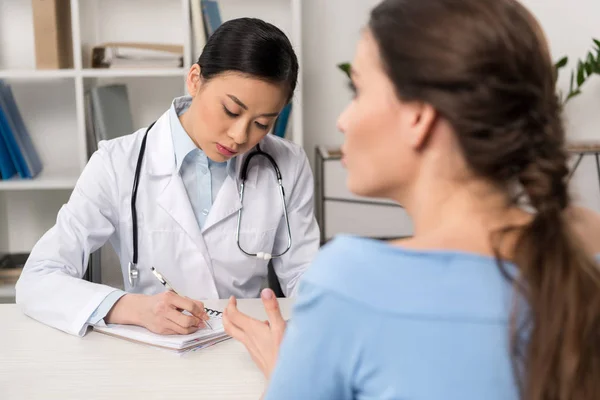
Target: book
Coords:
[[198, 30], [212, 16], [8, 132], [31, 158], [91, 137], [111, 112], [281, 123], [179, 344], [52, 33], [7, 168]]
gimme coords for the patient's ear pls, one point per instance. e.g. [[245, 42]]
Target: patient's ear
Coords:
[[420, 119]]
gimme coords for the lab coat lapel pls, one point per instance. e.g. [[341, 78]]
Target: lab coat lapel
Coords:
[[228, 201], [172, 197], [174, 200]]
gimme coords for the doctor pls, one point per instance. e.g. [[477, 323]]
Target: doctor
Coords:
[[185, 207]]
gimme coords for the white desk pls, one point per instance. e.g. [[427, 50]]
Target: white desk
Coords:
[[38, 362]]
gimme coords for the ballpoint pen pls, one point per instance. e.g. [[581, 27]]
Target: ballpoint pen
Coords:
[[166, 284]]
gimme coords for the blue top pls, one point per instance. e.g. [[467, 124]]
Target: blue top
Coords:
[[375, 321], [201, 177]]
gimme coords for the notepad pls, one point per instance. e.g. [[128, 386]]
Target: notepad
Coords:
[[180, 344]]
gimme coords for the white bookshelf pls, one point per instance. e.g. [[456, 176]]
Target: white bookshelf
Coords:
[[36, 75], [7, 292], [52, 101]]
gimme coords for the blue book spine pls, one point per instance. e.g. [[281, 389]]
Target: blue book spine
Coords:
[[212, 16], [22, 134], [282, 121], [8, 135], [7, 168]]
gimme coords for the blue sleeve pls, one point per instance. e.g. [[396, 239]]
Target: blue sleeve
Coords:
[[320, 349], [104, 307]]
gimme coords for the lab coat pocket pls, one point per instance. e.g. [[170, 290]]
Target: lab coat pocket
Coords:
[[182, 263], [231, 261], [256, 241]]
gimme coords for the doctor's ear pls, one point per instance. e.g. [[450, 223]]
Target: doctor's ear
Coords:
[[194, 80]]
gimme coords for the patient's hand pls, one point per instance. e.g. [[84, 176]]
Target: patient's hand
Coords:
[[261, 338]]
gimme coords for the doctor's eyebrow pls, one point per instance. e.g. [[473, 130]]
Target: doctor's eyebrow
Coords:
[[245, 107]]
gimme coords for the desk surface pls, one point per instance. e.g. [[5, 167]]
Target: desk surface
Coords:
[[39, 362]]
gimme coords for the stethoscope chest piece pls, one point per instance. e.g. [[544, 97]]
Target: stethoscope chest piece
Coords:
[[133, 274]]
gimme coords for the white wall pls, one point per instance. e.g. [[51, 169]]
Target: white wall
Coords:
[[570, 27], [331, 29]]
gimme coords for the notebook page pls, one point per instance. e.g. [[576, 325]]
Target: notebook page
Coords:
[[141, 334]]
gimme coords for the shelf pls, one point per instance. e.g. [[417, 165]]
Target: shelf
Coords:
[[90, 73], [44, 181], [116, 73], [37, 74], [7, 290]]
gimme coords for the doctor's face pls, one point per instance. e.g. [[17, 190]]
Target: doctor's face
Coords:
[[231, 112]]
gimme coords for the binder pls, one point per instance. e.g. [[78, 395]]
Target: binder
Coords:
[[7, 168], [111, 113], [179, 344], [21, 133], [52, 34], [91, 136], [282, 120], [7, 129], [212, 16]]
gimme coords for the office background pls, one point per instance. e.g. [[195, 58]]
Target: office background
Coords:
[[324, 32]]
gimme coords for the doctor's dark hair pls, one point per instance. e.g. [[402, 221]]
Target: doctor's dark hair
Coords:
[[485, 66], [253, 47]]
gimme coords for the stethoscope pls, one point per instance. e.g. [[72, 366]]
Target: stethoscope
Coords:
[[133, 269]]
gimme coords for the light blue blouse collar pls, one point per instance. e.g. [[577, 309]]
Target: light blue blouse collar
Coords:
[[182, 143]]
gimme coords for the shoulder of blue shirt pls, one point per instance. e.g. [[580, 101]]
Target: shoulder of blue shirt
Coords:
[[396, 279]]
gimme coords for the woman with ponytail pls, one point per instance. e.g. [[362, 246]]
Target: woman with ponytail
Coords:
[[497, 294]]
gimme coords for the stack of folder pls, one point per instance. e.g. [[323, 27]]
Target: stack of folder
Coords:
[[137, 55], [18, 156]]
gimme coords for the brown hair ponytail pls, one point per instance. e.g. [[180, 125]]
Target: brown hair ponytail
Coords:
[[561, 285], [485, 67]]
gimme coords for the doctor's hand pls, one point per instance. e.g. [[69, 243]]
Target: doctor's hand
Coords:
[[261, 338], [160, 313]]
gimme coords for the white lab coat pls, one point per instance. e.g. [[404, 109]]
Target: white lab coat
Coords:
[[200, 264]]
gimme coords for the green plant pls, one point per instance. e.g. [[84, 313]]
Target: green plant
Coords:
[[345, 67], [586, 67]]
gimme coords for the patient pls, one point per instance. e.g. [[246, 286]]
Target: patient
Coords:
[[497, 295]]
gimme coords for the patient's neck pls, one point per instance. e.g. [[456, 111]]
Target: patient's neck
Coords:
[[460, 214]]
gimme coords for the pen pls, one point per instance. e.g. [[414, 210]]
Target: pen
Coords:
[[166, 284]]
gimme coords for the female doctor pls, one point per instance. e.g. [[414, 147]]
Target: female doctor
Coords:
[[182, 212]]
